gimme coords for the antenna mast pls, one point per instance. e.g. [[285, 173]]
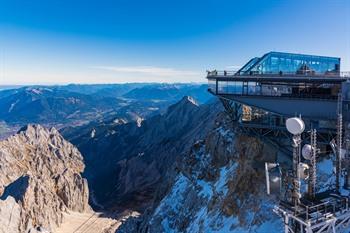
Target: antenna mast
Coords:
[[313, 171], [339, 144], [296, 176]]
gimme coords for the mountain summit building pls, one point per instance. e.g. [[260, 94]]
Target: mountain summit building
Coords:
[[292, 64], [310, 96], [284, 83]]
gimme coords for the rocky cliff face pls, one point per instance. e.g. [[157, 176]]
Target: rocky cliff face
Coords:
[[218, 187], [126, 163], [39, 180]]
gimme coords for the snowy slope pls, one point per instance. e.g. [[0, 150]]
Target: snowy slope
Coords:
[[219, 187]]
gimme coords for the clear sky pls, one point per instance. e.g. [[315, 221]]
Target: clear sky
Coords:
[[114, 41]]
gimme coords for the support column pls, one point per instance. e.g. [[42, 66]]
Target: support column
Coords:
[[339, 144], [296, 175], [345, 107], [286, 223], [313, 172]]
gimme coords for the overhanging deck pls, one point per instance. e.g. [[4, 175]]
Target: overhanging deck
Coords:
[[280, 78], [308, 96]]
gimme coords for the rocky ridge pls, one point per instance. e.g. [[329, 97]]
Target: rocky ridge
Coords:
[[218, 187], [132, 159], [39, 180]]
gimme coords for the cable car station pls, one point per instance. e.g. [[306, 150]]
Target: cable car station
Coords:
[[299, 104]]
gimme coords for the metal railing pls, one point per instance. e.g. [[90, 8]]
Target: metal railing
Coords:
[[313, 213], [322, 210], [213, 73], [221, 73]]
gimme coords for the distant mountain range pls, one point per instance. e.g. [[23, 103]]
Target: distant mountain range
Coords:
[[50, 105], [170, 92], [75, 104]]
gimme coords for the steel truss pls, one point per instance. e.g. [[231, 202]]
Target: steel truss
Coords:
[[338, 222], [272, 134]]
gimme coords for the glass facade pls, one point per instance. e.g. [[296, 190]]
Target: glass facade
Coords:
[[275, 65], [212, 85], [288, 63], [297, 90], [248, 65]]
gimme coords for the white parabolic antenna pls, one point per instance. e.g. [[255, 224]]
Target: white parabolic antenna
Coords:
[[295, 125], [307, 151], [304, 171], [342, 153]]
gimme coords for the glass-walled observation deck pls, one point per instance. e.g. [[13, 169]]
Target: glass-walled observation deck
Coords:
[[277, 87], [281, 75], [289, 63]]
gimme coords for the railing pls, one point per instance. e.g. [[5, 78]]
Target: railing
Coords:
[[214, 73], [315, 213], [322, 210], [221, 73]]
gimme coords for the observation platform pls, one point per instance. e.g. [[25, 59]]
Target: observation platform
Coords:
[[262, 95], [311, 96], [286, 84], [268, 89]]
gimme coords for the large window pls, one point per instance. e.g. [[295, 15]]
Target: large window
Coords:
[[212, 85], [287, 63]]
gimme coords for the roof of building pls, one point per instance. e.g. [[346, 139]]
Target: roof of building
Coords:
[[276, 62]]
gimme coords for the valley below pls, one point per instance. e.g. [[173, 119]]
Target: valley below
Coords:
[[167, 163], [128, 151]]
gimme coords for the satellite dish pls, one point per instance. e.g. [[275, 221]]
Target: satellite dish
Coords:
[[304, 171], [273, 178], [295, 125], [307, 152], [342, 153], [335, 148]]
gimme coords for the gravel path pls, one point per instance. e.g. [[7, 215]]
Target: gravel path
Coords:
[[90, 222]]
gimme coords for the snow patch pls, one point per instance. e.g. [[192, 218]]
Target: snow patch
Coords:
[[35, 90], [12, 106], [93, 133], [153, 109], [139, 121], [226, 133], [189, 98], [206, 189]]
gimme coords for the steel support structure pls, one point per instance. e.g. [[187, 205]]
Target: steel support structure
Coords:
[[339, 143], [277, 136], [338, 222], [313, 168], [296, 195]]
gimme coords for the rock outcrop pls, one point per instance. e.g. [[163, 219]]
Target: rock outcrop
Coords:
[[39, 180], [127, 163], [218, 187]]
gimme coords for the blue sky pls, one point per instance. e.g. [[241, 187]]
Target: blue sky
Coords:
[[61, 41]]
